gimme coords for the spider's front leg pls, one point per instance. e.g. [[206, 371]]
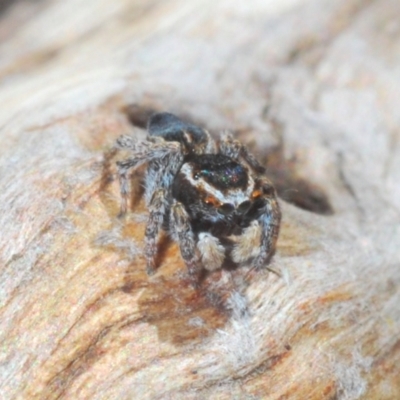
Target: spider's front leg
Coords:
[[142, 152], [236, 150], [157, 209], [269, 221], [211, 250], [124, 183], [187, 244]]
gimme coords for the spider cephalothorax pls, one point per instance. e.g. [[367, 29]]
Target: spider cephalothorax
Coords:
[[213, 198]]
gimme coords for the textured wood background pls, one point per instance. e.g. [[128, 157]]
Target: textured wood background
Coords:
[[313, 87]]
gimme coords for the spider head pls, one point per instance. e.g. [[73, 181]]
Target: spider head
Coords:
[[218, 191]]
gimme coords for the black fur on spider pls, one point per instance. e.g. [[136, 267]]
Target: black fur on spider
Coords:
[[213, 198]]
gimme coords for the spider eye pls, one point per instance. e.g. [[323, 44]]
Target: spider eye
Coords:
[[226, 208], [244, 207]]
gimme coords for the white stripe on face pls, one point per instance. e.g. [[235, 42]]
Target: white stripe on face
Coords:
[[233, 196]]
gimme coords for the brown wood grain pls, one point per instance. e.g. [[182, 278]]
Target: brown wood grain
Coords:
[[312, 87]]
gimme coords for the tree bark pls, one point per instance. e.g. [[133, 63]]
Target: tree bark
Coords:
[[312, 88]]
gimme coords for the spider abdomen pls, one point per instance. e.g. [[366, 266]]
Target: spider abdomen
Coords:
[[173, 129]]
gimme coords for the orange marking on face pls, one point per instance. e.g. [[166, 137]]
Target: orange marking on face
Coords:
[[256, 194], [212, 201]]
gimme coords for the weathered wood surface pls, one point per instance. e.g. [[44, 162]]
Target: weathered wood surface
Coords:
[[313, 87]]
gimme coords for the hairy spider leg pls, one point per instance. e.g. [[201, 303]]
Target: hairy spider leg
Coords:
[[245, 248], [270, 218], [158, 197], [124, 182], [183, 230], [143, 152], [234, 149], [160, 174], [168, 157], [269, 221], [211, 250], [157, 207]]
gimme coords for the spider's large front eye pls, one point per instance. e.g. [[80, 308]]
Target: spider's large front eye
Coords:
[[244, 207], [226, 208]]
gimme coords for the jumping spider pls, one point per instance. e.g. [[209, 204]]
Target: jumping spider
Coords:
[[213, 198]]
